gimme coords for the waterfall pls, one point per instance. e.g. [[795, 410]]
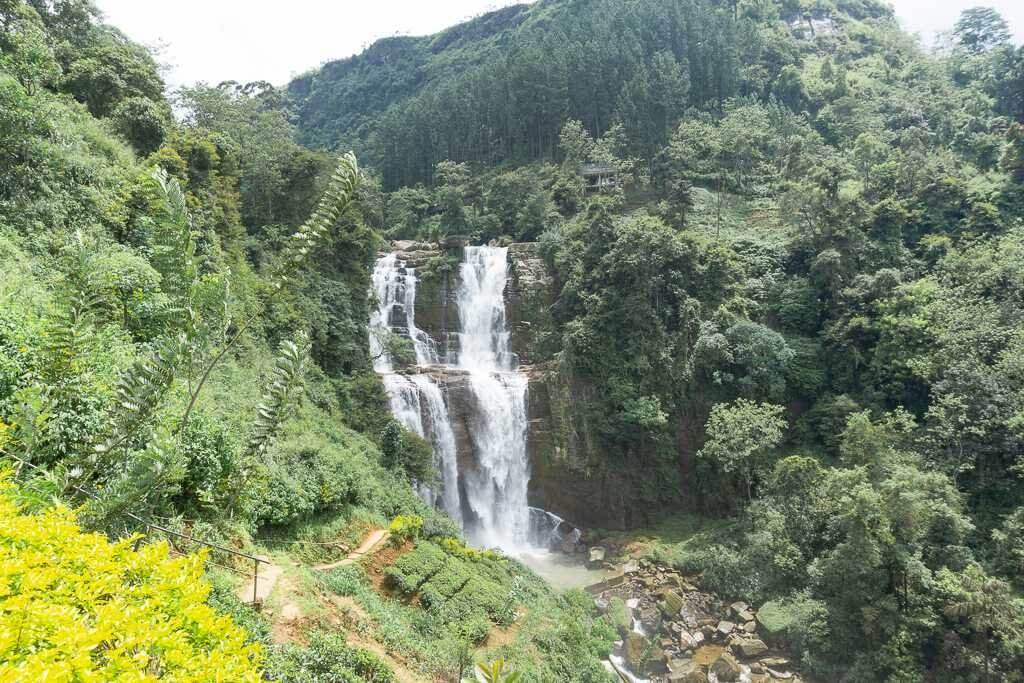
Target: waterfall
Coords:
[[489, 496], [443, 441], [394, 286], [496, 489]]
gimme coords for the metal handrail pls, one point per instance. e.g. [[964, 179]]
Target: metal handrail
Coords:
[[149, 525]]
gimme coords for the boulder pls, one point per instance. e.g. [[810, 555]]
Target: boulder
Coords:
[[650, 620], [724, 628], [726, 668], [596, 555], [636, 647], [631, 567], [671, 604], [749, 648], [750, 626], [691, 672], [687, 642], [618, 615], [776, 662]]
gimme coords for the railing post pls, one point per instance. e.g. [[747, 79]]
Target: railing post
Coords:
[[255, 580], [138, 541]]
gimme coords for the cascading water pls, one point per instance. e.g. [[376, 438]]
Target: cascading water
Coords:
[[488, 498], [496, 489], [394, 285], [417, 396]]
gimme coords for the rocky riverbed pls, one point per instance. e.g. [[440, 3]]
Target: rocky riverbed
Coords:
[[670, 630]]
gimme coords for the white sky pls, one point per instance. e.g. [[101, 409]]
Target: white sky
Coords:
[[248, 40]]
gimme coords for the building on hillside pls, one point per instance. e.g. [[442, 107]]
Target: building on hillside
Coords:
[[599, 177]]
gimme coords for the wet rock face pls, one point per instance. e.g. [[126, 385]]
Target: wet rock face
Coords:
[[689, 636], [436, 311], [528, 299]]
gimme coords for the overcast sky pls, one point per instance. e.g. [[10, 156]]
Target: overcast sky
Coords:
[[248, 40]]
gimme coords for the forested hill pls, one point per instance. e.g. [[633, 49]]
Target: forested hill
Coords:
[[499, 87]]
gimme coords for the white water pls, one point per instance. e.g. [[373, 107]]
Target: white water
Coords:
[[443, 440], [394, 286], [488, 499], [496, 489], [415, 400]]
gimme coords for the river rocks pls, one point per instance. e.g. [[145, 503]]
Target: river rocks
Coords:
[[775, 662], [726, 668], [687, 644], [650, 620], [742, 611], [596, 557], [749, 648]]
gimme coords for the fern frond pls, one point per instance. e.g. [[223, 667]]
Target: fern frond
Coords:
[[69, 331], [140, 390], [174, 248], [336, 200], [285, 383], [140, 484]]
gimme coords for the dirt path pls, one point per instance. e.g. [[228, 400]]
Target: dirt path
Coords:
[[369, 544], [265, 581]]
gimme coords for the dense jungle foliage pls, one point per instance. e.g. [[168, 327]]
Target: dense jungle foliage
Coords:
[[803, 312], [183, 311]]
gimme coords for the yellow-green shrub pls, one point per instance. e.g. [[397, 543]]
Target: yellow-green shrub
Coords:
[[76, 607], [405, 527]]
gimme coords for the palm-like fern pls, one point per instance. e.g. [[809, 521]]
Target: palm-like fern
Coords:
[[140, 389], [336, 200], [285, 383], [495, 672]]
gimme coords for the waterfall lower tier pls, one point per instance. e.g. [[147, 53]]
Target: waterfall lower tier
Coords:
[[496, 487], [418, 404], [473, 411]]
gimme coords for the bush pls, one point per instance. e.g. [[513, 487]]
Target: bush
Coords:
[[619, 616], [405, 527], [88, 609], [328, 659], [797, 622], [414, 569]]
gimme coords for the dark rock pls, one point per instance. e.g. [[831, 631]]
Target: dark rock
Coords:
[[726, 668], [750, 648]]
